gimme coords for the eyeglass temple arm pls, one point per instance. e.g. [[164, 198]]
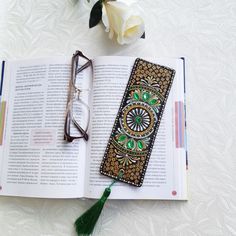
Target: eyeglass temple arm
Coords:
[[82, 131], [79, 53], [87, 64], [66, 128]]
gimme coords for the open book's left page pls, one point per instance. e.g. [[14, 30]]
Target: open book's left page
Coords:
[[35, 161]]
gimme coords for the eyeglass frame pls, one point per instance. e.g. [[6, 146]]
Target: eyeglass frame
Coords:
[[75, 94]]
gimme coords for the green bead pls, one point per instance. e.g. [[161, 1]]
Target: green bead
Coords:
[[140, 144], [136, 96], [146, 96], [130, 144], [153, 101], [122, 138], [138, 119]]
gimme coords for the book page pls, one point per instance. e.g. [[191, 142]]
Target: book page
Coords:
[[111, 75], [35, 160]]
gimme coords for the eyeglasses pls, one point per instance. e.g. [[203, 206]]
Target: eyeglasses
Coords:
[[77, 111]]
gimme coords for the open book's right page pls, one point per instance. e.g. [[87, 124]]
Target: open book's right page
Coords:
[[166, 173]]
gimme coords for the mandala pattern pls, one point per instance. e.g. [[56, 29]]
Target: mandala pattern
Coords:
[[138, 119], [136, 125]]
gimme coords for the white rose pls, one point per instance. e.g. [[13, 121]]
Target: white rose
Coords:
[[122, 22]]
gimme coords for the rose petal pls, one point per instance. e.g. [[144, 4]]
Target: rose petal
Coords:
[[129, 2], [117, 13], [105, 20]]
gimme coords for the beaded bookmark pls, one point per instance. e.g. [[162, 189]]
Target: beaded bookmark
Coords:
[[137, 122]]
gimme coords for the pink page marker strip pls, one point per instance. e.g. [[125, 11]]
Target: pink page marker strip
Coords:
[[179, 125]]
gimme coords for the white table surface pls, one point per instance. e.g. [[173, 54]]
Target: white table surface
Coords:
[[204, 31]]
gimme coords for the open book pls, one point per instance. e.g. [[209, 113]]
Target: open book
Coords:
[[35, 161]]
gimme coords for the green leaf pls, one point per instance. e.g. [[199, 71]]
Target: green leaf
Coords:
[[140, 144], [153, 101], [122, 138], [143, 36], [95, 14], [136, 96]]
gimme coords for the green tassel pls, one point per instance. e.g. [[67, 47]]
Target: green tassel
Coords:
[[85, 224]]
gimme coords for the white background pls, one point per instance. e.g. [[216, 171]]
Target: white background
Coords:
[[204, 31]]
